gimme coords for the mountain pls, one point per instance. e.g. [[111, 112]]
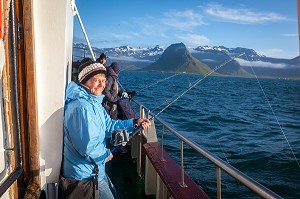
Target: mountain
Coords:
[[176, 58], [261, 65], [123, 52], [288, 72], [136, 58], [216, 57]]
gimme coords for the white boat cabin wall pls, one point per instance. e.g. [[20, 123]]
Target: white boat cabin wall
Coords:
[[36, 39]]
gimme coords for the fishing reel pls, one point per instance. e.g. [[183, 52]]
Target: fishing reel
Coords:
[[119, 136]]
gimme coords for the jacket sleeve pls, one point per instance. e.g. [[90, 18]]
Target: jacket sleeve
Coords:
[[86, 135], [109, 92], [112, 124]]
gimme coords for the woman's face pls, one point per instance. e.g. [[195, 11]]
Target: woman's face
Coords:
[[96, 84], [103, 61]]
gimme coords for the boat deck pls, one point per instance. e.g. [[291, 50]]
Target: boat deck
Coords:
[[122, 172]]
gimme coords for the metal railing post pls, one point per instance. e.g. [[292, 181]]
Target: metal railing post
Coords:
[[219, 193], [162, 144], [140, 140], [182, 184]]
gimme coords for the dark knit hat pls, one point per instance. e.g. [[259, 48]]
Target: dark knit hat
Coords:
[[102, 56], [89, 69], [116, 67]]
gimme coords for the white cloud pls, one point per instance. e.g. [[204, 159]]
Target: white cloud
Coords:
[[243, 62], [290, 35], [242, 15], [194, 39], [124, 58], [273, 52], [182, 20], [148, 26]]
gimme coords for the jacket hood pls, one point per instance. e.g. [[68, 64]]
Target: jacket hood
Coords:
[[110, 72], [75, 91], [116, 67]]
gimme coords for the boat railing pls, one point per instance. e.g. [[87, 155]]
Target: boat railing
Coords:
[[221, 165]]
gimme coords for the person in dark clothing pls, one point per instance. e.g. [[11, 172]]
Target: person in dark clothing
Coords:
[[114, 93], [102, 59], [112, 90]]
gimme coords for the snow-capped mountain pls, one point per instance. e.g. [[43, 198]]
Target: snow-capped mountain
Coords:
[[150, 54], [137, 58], [250, 53]]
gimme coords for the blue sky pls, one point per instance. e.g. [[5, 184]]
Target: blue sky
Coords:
[[270, 27]]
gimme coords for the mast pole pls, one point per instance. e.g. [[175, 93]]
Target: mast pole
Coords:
[[298, 10], [83, 30]]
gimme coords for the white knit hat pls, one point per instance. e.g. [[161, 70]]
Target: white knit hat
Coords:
[[89, 69]]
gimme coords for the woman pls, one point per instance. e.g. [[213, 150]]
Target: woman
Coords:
[[86, 127]]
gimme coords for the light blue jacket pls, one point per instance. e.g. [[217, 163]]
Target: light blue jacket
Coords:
[[88, 125]]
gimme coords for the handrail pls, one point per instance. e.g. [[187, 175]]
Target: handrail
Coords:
[[245, 180]]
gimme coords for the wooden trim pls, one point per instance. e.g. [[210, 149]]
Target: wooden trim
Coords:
[[34, 186], [1, 22], [23, 102]]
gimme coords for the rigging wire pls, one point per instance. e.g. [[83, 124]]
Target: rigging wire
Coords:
[[270, 106]]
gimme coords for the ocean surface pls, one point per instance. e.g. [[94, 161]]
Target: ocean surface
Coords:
[[252, 124]]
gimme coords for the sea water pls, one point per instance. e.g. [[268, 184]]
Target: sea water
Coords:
[[252, 124]]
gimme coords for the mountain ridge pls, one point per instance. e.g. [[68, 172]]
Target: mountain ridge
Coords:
[[137, 58], [176, 58]]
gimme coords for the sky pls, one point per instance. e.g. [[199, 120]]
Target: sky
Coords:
[[270, 27]]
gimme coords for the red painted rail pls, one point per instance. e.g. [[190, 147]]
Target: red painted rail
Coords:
[[169, 171]]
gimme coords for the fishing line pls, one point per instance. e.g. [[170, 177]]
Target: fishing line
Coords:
[[139, 128], [270, 106], [150, 85], [196, 82], [127, 68]]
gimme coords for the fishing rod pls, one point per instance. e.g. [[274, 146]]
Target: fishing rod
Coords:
[[139, 128]]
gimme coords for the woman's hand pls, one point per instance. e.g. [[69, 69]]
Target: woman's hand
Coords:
[[110, 157], [144, 122]]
